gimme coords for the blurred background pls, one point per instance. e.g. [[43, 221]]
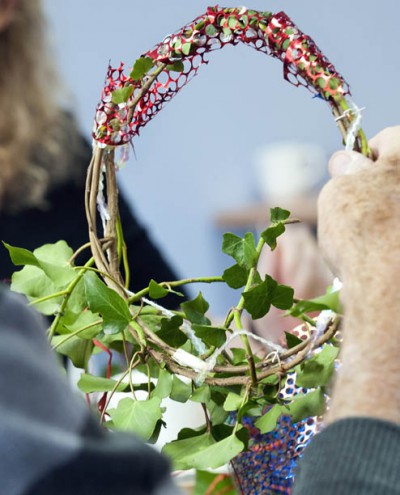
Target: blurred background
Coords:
[[200, 156]]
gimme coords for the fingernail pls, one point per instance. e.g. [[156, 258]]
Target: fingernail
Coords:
[[339, 163]]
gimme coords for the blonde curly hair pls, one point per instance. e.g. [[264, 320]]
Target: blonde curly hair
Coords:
[[36, 138]]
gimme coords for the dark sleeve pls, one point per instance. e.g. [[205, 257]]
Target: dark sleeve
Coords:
[[49, 442], [65, 219], [355, 456]]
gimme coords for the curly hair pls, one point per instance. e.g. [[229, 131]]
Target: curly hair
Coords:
[[36, 137]]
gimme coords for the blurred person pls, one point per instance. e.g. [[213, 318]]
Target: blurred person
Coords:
[[43, 157]]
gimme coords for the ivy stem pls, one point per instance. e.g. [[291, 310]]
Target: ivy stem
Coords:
[[46, 298], [77, 332], [245, 399], [236, 314], [67, 295], [176, 283]]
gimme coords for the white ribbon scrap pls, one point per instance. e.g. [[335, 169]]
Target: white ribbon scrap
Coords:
[[355, 126]]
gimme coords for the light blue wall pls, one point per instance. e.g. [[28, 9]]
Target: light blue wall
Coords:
[[194, 159]]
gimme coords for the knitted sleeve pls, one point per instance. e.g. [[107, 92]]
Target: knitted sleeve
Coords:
[[355, 456]]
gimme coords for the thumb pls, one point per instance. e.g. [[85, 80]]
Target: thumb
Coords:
[[348, 162]]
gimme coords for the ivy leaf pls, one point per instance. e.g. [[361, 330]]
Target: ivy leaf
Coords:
[[186, 47], [242, 250], [157, 291], [212, 336], [35, 284], [272, 233], [176, 66], [53, 259], [282, 297], [327, 301], [235, 276], [90, 383], [233, 402], [108, 303], [257, 300], [137, 416], [212, 456], [269, 420], [164, 385], [195, 310], [279, 215], [170, 331], [21, 256], [201, 394], [84, 319], [317, 371], [77, 350], [304, 406], [178, 450], [122, 95], [211, 31], [238, 355], [141, 67], [180, 391], [292, 340]]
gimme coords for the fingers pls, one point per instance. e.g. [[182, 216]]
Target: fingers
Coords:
[[386, 145], [348, 162]]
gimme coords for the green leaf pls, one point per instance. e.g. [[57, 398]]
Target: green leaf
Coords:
[[232, 22], [233, 402], [164, 385], [327, 301], [90, 383], [236, 276], [292, 340], [108, 303], [282, 297], [217, 412], [317, 371], [84, 319], [186, 47], [157, 291], [77, 350], [221, 485], [170, 332], [257, 300], [122, 95], [180, 391], [53, 259], [35, 284], [238, 355], [269, 420], [213, 456], [211, 31], [137, 416], [201, 394], [195, 310], [212, 336], [242, 250], [141, 67], [178, 450], [21, 256], [304, 406], [279, 215], [176, 66], [272, 233]]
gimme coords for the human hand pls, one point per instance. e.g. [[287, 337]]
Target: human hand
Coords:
[[359, 208], [359, 233]]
